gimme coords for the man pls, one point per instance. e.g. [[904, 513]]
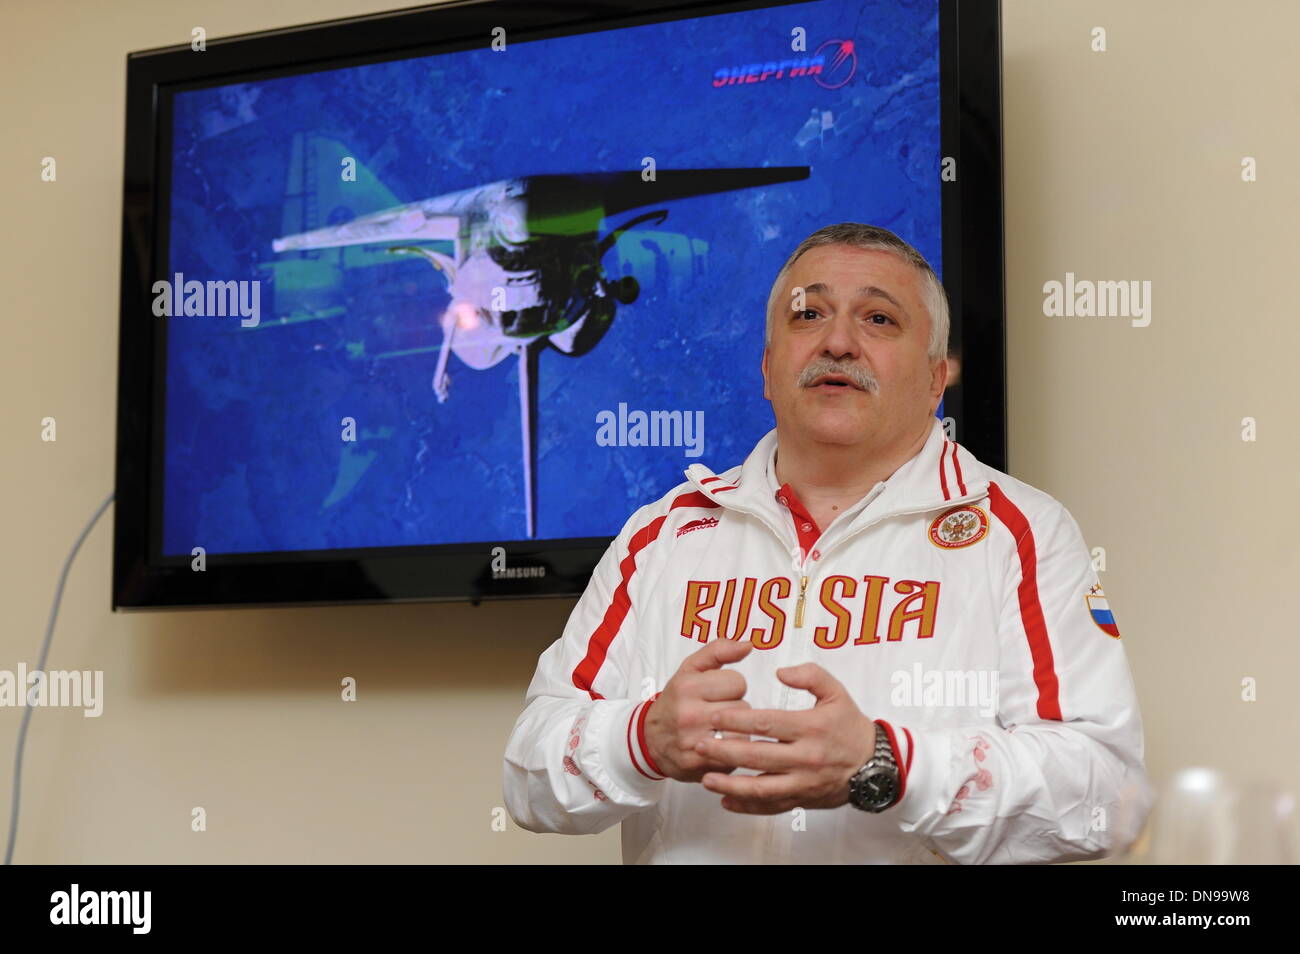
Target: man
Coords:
[[860, 646]]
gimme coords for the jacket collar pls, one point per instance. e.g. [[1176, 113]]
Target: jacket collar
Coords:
[[942, 474]]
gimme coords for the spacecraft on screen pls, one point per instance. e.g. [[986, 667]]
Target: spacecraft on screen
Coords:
[[525, 268]]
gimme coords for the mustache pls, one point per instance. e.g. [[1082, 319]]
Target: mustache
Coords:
[[856, 373]]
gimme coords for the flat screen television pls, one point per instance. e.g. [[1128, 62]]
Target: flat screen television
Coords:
[[424, 305]]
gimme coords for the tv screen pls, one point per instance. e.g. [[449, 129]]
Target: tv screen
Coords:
[[425, 305]]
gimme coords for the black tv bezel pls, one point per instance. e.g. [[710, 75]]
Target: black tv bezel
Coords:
[[972, 232]]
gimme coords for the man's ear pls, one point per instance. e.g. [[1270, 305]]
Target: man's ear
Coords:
[[767, 391], [938, 382]]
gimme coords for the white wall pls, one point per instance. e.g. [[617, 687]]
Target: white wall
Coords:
[[1122, 165]]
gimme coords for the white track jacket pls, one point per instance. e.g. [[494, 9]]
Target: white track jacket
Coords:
[[958, 606]]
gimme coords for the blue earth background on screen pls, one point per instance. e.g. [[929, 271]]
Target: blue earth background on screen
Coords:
[[254, 457]]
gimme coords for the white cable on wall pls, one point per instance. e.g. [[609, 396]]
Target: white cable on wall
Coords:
[[40, 666]]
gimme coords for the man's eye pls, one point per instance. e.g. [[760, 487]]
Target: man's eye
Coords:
[[806, 312]]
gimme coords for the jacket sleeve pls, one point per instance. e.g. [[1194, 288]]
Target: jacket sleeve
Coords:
[[575, 761], [1060, 777]]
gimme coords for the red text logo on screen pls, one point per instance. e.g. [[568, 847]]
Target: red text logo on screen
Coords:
[[833, 64]]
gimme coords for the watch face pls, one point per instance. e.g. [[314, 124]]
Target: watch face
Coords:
[[880, 788], [877, 789]]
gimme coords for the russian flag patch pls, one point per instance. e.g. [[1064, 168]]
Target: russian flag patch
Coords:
[[1100, 612]]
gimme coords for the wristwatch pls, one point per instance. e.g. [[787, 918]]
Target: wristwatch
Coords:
[[875, 786]]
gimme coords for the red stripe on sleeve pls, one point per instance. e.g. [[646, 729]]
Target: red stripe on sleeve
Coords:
[[584, 676], [640, 739], [631, 752], [638, 717], [1031, 610]]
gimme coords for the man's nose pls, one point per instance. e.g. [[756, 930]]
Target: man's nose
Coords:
[[839, 341]]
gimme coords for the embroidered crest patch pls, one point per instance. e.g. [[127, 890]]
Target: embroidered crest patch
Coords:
[[959, 527], [1099, 609]]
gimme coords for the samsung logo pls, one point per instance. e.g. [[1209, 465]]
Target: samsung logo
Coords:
[[518, 572]]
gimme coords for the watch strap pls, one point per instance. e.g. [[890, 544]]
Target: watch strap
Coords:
[[896, 752]]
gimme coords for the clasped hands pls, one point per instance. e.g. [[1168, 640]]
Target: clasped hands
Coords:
[[816, 753]]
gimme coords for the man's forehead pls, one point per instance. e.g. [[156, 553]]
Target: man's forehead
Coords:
[[826, 270], [862, 291], [867, 264]]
